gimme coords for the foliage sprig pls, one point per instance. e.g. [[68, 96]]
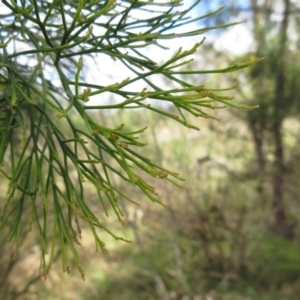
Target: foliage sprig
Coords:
[[45, 156]]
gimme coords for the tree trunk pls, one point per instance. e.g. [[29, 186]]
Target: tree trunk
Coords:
[[278, 115]]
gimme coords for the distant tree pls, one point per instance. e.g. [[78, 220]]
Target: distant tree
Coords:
[[275, 88], [47, 157]]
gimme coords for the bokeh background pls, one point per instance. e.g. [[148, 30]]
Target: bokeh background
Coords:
[[233, 232]]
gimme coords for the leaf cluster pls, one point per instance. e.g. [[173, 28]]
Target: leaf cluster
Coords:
[[44, 46]]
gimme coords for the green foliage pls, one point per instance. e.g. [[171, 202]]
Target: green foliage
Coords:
[[225, 248], [47, 156]]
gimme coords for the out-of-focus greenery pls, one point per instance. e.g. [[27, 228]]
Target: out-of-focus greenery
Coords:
[[213, 242]]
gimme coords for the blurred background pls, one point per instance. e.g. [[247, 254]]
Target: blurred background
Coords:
[[233, 232]]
